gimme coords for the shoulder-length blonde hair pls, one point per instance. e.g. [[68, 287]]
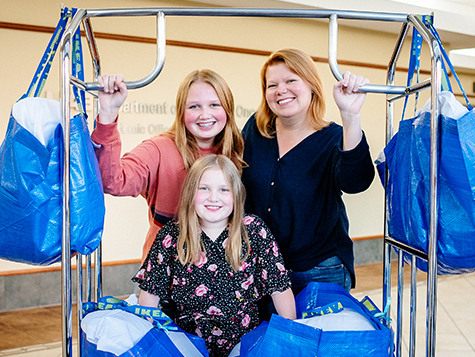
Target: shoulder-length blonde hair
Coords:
[[190, 246], [301, 64], [228, 142]]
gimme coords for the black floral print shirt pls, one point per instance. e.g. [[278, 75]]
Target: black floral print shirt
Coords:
[[214, 301]]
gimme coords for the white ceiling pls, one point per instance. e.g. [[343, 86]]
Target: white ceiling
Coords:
[[453, 19]]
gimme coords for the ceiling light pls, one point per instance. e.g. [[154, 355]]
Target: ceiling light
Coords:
[[464, 57]]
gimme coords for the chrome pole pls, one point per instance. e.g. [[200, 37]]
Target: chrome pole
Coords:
[[96, 65], [413, 308], [400, 303], [436, 74], [434, 204], [66, 301], [253, 12], [389, 134], [66, 238], [79, 297]]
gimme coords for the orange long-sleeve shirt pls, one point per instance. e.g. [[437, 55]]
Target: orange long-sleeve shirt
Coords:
[[154, 169]]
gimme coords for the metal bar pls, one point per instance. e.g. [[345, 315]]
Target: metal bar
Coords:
[[417, 87], [413, 308], [434, 206], [386, 246], [91, 40], [98, 270], [240, 12], [333, 15], [387, 282], [389, 134], [66, 305], [436, 74], [332, 60], [408, 249], [400, 305], [79, 297], [432, 252], [387, 242], [96, 64], [88, 279], [161, 45], [395, 57]]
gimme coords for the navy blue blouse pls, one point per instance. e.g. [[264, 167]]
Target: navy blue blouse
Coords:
[[299, 195]]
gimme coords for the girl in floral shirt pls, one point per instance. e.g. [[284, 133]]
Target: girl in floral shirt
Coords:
[[215, 262]]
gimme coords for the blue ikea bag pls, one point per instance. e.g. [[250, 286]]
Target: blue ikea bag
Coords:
[[407, 158], [156, 342], [31, 198], [283, 337]]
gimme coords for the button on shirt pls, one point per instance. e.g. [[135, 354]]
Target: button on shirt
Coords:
[[299, 195]]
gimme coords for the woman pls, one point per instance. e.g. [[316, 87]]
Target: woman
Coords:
[[215, 262], [300, 163], [156, 168]]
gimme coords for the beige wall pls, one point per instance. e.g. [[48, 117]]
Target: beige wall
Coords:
[[126, 221]]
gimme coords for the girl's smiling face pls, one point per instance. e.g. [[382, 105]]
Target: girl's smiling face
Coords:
[[214, 200], [204, 115], [287, 94]]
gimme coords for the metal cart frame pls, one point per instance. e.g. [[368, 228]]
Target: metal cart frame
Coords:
[[392, 92]]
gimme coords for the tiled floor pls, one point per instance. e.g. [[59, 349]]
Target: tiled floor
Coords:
[[455, 325], [37, 332]]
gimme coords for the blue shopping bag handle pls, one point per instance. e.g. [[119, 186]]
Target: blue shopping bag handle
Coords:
[[78, 69], [43, 69], [414, 63], [449, 63], [158, 318]]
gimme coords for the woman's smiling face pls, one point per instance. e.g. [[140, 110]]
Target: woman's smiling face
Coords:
[[287, 94], [214, 200], [205, 117]]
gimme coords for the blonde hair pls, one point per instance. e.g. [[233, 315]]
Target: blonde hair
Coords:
[[228, 142], [301, 64], [189, 245]]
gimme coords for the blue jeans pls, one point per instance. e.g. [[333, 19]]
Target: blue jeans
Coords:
[[331, 270]]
